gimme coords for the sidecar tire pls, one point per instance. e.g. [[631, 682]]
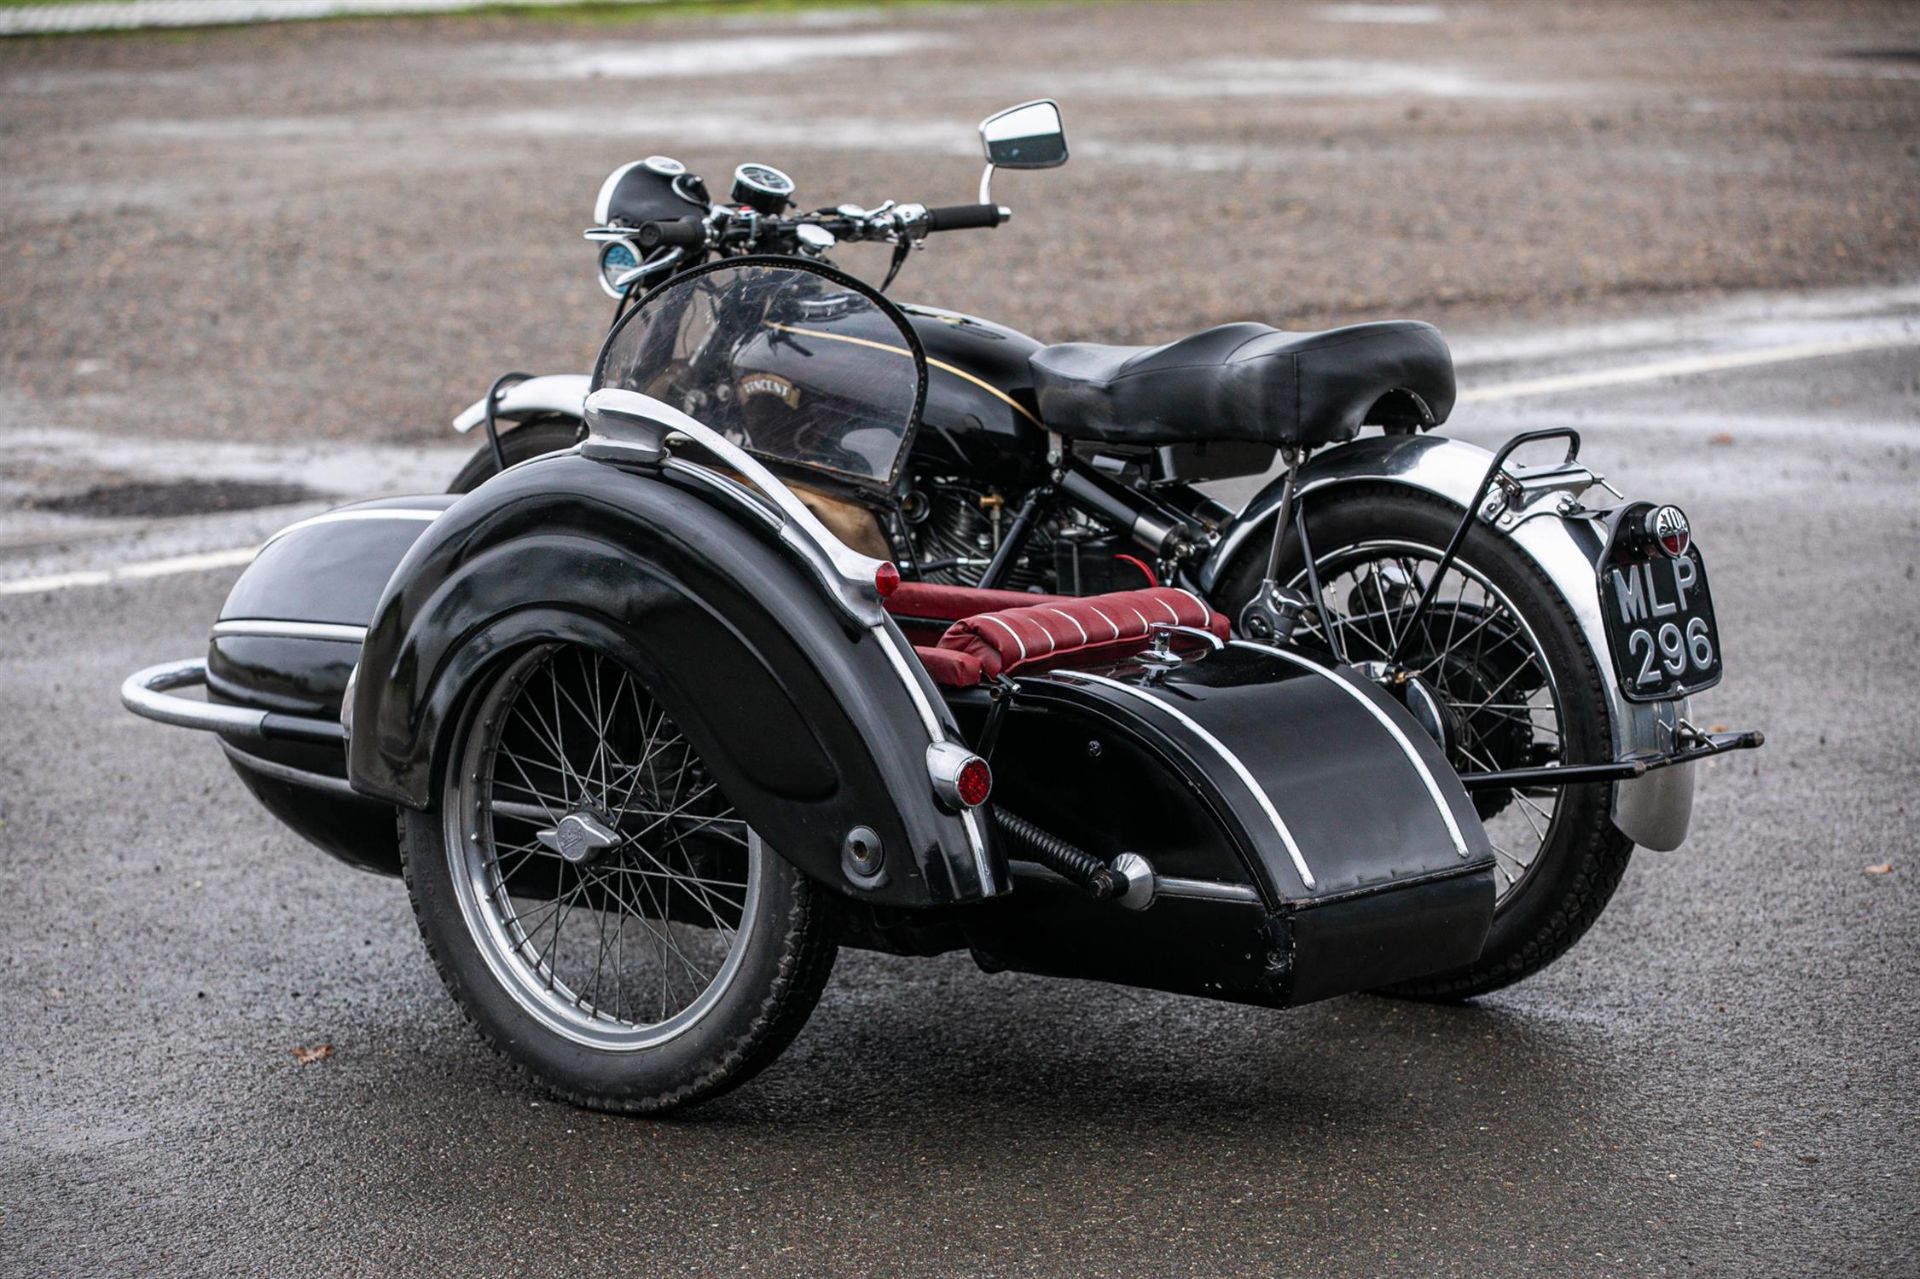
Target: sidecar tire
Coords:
[[1580, 867], [784, 970], [519, 443]]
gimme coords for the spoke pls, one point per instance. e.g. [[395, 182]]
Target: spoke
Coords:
[[1380, 589], [713, 885], [696, 888], [664, 931], [660, 819], [533, 790]]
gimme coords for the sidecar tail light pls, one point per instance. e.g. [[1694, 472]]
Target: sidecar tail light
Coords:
[[975, 782], [961, 779], [886, 579]]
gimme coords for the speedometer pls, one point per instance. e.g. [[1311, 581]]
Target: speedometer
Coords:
[[617, 258], [762, 188]]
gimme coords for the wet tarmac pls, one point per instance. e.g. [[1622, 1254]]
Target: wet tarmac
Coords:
[[1719, 1080]]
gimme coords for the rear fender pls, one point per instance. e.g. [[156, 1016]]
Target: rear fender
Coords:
[[562, 393], [1653, 811], [809, 720]]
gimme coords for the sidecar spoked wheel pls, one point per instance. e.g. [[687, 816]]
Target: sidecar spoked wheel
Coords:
[[593, 902], [1501, 651]]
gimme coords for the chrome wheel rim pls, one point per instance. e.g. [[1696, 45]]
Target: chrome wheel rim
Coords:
[[1479, 655], [607, 883]]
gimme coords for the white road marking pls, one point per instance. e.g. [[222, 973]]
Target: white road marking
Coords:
[[168, 567], [129, 15], [1555, 385], [1682, 367]]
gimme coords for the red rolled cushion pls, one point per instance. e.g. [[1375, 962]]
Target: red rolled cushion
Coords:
[[949, 668], [1077, 632], [931, 600]]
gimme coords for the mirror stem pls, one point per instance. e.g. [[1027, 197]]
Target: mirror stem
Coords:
[[986, 185]]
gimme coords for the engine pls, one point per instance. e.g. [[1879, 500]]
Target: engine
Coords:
[[956, 527]]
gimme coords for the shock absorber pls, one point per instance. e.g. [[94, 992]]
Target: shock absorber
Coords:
[[1129, 879]]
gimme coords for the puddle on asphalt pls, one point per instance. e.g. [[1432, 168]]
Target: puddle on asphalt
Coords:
[[153, 498], [683, 58]]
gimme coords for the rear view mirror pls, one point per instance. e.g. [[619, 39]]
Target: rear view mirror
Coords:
[[1029, 136]]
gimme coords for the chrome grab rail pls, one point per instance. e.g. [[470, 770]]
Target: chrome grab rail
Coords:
[[148, 693]]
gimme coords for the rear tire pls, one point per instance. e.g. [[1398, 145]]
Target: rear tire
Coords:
[[1581, 858], [494, 894], [519, 443]]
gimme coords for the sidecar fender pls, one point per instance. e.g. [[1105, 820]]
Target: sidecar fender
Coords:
[[1653, 811], [564, 393], [803, 714]]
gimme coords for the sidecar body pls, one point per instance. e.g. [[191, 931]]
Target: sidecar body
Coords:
[[1106, 787]]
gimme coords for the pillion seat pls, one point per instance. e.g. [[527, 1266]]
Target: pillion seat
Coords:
[[1248, 382], [988, 633]]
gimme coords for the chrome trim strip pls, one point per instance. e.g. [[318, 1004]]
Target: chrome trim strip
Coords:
[[1231, 760], [936, 732], [854, 587], [914, 676], [147, 694], [1406, 747], [292, 776], [291, 630], [355, 514]]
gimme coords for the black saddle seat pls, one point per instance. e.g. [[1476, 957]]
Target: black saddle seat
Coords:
[[1248, 382]]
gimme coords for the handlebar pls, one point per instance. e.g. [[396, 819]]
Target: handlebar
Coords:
[[681, 233], [962, 217]]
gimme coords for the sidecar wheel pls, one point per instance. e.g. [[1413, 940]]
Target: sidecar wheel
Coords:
[[1505, 655], [520, 443], [593, 903]]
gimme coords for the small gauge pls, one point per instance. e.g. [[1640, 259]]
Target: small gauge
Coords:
[[664, 165], [762, 187], [617, 259]]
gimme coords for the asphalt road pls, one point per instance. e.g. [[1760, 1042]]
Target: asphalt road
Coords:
[[1719, 1080]]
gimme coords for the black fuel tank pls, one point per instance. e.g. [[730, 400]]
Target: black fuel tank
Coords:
[[980, 418]]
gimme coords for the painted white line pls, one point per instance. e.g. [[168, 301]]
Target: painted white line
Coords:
[[131, 572], [1555, 385], [131, 15], [1682, 367]]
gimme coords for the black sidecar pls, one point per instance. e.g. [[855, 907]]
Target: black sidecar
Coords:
[[649, 742]]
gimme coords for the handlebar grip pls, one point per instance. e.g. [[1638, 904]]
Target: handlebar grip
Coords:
[[961, 217], [682, 233]]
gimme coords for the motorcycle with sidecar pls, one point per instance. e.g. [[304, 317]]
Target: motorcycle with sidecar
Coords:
[[1537, 618], [649, 742]]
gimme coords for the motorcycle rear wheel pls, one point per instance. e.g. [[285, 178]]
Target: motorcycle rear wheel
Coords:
[[593, 903], [1374, 549]]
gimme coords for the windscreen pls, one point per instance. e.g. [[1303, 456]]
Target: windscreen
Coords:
[[798, 365]]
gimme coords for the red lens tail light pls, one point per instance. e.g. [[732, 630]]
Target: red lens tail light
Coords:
[[886, 579], [975, 782], [961, 779]]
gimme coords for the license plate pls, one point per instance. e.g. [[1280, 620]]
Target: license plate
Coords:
[[1659, 624]]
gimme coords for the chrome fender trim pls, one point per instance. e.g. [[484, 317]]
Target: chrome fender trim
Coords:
[[551, 393], [1653, 811], [626, 425]]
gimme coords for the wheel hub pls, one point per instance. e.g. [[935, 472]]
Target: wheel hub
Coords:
[[580, 837]]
